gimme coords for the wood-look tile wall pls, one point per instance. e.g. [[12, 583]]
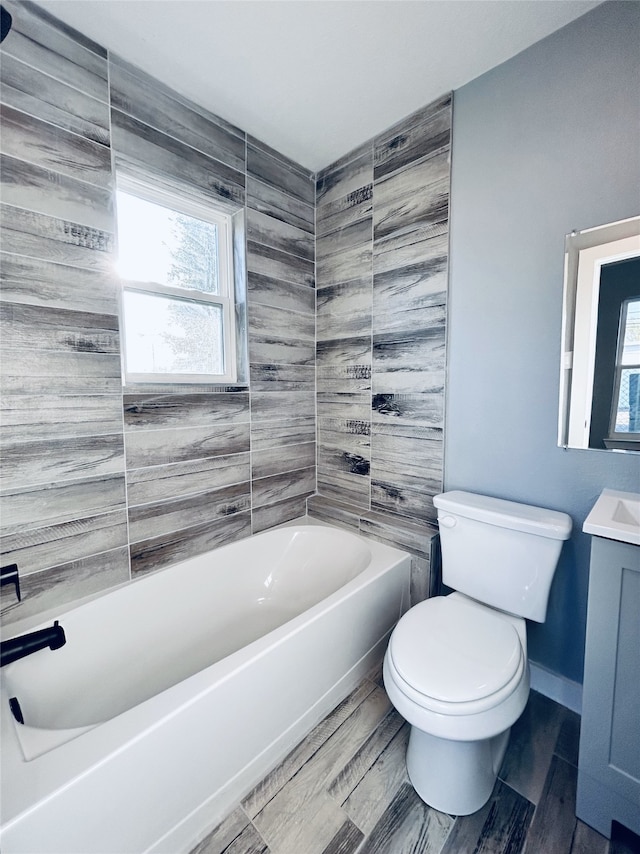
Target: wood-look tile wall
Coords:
[[382, 252], [100, 483]]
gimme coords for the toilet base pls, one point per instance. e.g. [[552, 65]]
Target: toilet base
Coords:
[[455, 777]]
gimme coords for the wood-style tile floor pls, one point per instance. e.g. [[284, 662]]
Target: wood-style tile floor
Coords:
[[344, 789]]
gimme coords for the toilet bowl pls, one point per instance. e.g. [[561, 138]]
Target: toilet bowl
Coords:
[[458, 673], [456, 666]]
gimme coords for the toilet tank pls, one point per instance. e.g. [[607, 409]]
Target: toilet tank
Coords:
[[500, 552]]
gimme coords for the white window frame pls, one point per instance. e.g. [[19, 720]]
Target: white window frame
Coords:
[[174, 201]]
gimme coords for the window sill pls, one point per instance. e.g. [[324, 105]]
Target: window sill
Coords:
[[619, 444], [182, 388]]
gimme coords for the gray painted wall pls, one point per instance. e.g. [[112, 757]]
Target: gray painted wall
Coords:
[[545, 143]]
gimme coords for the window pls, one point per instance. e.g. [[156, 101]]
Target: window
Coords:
[[625, 416], [175, 259]]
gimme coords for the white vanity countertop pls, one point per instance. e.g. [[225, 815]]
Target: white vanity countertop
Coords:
[[616, 516]]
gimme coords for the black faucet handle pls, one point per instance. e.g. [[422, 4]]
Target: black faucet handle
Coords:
[[10, 575], [58, 637]]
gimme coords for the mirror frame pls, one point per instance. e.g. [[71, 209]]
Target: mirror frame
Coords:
[[585, 253]]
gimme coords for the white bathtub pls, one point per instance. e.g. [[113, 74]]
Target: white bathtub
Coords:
[[174, 695]]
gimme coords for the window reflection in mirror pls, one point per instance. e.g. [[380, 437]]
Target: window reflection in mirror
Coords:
[[600, 373], [614, 420], [625, 415]]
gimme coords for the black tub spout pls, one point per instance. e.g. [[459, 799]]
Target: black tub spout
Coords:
[[15, 648]]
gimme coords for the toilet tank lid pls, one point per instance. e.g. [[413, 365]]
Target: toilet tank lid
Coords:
[[505, 514]]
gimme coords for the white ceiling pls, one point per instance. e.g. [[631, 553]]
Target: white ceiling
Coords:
[[315, 78]]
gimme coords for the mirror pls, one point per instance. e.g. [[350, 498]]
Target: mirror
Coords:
[[600, 368]]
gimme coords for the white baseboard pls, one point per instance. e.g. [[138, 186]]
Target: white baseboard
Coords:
[[558, 688]]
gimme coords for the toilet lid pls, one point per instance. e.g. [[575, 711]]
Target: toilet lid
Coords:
[[454, 652]]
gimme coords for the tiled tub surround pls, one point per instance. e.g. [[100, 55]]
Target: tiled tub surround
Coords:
[[381, 269], [98, 482], [229, 681]]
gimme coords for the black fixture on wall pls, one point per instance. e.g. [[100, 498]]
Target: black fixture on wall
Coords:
[[5, 23]]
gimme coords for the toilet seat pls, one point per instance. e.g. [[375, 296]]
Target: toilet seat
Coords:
[[455, 658]]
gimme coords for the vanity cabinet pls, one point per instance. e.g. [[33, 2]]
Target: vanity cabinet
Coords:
[[609, 761]]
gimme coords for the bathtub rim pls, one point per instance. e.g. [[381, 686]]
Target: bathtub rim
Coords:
[[98, 744], [290, 569], [35, 621]]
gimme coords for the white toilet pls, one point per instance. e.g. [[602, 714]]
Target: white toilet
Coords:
[[456, 666]]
